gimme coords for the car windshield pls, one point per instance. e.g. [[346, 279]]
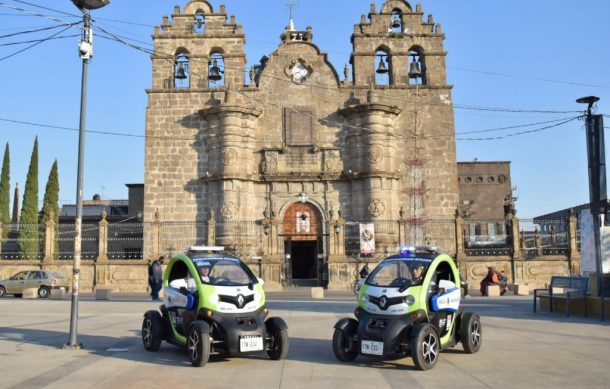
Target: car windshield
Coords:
[[399, 273], [224, 272], [20, 276]]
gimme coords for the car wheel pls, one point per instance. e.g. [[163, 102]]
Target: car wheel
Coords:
[[471, 332], [43, 292], [340, 347], [279, 343], [425, 346], [152, 330], [2, 291], [198, 344]]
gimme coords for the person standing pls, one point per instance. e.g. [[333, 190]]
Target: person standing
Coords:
[[156, 271]]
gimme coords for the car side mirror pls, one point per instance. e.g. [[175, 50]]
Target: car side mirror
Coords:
[[260, 281]]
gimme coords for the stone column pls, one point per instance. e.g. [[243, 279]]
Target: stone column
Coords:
[[459, 237], [211, 229], [102, 256], [518, 268], [49, 240]]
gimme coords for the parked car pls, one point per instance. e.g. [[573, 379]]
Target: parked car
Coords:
[[43, 280], [409, 305], [213, 303]]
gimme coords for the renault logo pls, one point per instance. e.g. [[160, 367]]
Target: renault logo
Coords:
[[382, 302], [240, 301]]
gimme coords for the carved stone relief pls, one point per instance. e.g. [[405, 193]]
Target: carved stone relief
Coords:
[[229, 210], [376, 208]]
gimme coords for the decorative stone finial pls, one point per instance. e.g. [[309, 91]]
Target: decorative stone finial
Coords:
[[370, 95], [346, 72], [104, 214]]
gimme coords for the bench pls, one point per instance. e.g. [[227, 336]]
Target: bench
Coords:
[[564, 288]]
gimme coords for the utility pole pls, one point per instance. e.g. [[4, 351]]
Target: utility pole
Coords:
[[597, 183], [85, 49]]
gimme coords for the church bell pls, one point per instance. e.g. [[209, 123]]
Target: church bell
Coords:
[[214, 74], [180, 72], [415, 70], [382, 68]]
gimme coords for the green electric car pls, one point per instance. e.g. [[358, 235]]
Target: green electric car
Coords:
[[213, 303], [409, 305]]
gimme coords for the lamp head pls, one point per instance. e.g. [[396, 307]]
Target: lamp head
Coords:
[[90, 4]]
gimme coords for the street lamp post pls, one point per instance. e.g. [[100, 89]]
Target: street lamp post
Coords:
[[85, 49], [597, 184]]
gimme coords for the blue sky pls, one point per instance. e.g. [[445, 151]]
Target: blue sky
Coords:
[[521, 55]]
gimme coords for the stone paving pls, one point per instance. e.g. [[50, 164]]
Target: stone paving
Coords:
[[520, 349]]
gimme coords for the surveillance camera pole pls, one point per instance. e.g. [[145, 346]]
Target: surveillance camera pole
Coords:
[[85, 49]]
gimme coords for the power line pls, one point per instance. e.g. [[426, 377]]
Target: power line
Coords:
[[519, 133], [283, 79], [46, 8], [31, 13], [35, 44], [32, 31], [530, 78], [38, 40]]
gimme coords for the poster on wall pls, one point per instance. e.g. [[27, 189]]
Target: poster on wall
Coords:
[[367, 238], [605, 247], [587, 242], [303, 223]]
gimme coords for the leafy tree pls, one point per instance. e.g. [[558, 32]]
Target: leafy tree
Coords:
[[50, 204], [28, 221], [5, 178]]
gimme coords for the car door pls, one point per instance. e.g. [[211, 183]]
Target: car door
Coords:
[[16, 283], [34, 280]]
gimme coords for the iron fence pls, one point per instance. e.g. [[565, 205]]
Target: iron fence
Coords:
[[127, 240]]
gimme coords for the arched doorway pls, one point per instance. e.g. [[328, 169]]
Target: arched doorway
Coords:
[[302, 243]]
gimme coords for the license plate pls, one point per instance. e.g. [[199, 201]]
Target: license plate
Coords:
[[371, 347], [250, 343]]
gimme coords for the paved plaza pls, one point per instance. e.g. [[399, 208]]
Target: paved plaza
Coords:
[[520, 349]]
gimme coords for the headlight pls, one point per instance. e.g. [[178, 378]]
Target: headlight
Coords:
[[410, 300]]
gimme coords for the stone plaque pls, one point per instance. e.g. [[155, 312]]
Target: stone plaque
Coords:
[[299, 126]]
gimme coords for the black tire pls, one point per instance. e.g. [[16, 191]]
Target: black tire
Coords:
[[198, 344], [44, 292], [2, 291], [425, 346], [340, 343], [152, 331], [279, 343], [471, 332]]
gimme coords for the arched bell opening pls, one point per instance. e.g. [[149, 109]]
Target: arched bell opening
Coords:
[[182, 71], [216, 71], [199, 23], [383, 68], [417, 67], [396, 22]]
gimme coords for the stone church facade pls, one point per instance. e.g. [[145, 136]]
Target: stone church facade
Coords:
[[283, 161]]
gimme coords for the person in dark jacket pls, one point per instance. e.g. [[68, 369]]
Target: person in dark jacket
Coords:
[[364, 272], [156, 277]]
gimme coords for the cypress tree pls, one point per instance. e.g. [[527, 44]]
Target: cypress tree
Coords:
[[5, 183], [28, 221], [50, 204]]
